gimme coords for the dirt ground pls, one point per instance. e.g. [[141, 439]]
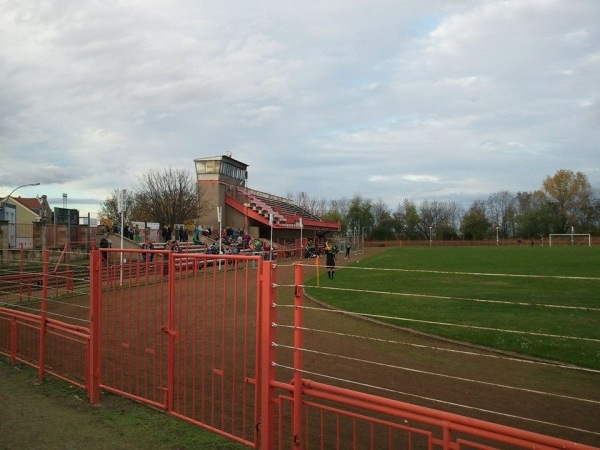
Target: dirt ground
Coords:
[[409, 367]]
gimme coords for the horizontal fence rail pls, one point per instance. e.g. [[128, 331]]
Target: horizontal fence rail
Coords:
[[215, 340]]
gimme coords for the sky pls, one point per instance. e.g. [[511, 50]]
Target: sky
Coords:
[[391, 100]]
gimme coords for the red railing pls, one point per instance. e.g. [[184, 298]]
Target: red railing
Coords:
[[195, 335], [35, 339], [319, 415]]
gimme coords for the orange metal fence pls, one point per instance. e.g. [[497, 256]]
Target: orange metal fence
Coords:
[[179, 331], [195, 334], [310, 414], [50, 345]]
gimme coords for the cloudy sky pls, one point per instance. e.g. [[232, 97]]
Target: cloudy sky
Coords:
[[427, 100]]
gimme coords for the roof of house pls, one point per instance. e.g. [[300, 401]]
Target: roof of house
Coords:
[[31, 203], [37, 205]]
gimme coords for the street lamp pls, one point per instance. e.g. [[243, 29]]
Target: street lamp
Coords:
[[11, 192]]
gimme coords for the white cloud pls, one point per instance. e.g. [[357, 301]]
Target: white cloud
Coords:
[[412, 99]]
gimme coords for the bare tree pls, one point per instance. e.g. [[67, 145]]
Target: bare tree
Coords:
[[500, 207], [341, 206], [435, 217], [319, 206], [301, 199], [380, 211], [169, 196], [109, 209]]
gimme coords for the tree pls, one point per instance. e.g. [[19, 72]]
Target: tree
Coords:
[[533, 217], [449, 229], [109, 209], [571, 197], [314, 205], [340, 205], [338, 209], [439, 218], [332, 216], [360, 215], [408, 219], [380, 211], [168, 197], [475, 224], [500, 207], [386, 229]]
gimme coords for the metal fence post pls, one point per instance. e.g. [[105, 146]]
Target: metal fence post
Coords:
[[267, 426], [298, 324], [93, 363], [43, 314]]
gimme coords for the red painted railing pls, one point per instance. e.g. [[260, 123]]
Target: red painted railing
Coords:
[[194, 334]]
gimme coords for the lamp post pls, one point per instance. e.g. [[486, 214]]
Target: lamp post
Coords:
[[430, 236], [11, 192]]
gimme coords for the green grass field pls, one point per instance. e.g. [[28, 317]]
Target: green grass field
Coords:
[[537, 301]]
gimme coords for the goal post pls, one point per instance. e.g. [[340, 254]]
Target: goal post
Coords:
[[571, 239]]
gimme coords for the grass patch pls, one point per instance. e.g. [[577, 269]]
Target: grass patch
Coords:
[[510, 298], [55, 415]]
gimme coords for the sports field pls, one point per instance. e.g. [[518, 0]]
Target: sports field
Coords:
[[536, 301]]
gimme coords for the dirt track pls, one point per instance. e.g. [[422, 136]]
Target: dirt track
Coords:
[[508, 390]]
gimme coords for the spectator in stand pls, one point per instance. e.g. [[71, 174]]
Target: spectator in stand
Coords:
[[196, 239], [148, 245], [183, 234], [246, 240], [258, 247], [165, 233], [174, 246], [227, 250]]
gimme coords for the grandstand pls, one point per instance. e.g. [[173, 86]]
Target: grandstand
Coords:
[[223, 181]]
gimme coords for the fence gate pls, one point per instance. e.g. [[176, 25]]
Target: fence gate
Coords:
[[179, 331]]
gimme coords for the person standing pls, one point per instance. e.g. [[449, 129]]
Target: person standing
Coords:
[[105, 243], [330, 262], [348, 246], [149, 245]]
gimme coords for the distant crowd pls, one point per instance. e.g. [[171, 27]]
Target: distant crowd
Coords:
[[232, 240]]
